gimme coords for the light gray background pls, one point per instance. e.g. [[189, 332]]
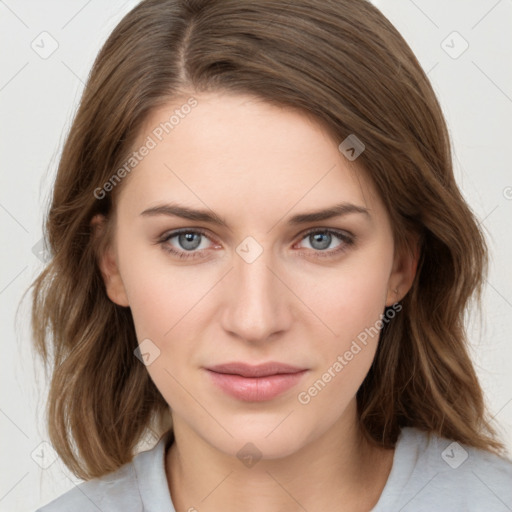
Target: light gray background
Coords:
[[38, 97]]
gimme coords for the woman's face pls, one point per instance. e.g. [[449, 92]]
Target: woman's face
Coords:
[[254, 278]]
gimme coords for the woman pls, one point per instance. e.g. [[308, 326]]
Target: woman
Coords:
[[260, 254]]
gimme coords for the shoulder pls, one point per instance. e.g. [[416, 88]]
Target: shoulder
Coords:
[[134, 485], [116, 491], [435, 473]]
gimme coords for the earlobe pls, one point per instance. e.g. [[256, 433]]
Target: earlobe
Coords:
[[112, 278], [107, 263], [403, 274]]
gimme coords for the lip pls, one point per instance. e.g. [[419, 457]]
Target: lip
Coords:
[[255, 383]]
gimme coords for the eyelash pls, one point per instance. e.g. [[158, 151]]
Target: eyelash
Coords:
[[346, 239]]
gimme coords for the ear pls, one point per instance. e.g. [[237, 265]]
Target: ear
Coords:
[[405, 264], [107, 262]]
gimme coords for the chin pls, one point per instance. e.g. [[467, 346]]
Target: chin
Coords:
[[269, 438]]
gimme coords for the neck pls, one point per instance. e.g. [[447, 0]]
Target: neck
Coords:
[[339, 466]]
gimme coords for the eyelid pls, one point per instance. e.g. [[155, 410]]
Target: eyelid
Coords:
[[320, 229], [166, 236], [347, 239]]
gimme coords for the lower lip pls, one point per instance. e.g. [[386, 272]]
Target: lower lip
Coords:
[[255, 389]]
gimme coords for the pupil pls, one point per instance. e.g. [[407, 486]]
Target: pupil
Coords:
[[318, 239], [187, 240]]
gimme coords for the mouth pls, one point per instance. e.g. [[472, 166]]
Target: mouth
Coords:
[[255, 383]]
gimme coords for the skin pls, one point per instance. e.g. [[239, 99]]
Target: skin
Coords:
[[256, 165]]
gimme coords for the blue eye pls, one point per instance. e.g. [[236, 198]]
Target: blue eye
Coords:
[[321, 239], [189, 243], [188, 239]]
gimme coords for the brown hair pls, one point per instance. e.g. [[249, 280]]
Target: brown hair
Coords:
[[339, 61]]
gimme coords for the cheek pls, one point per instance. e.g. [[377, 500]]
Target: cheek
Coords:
[[347, 300], [161, 297], [167, 309], [351, 306]]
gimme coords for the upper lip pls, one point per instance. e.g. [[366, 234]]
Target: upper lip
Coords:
[[260, 370]]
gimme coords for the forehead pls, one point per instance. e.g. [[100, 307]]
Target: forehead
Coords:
[[237, 153]]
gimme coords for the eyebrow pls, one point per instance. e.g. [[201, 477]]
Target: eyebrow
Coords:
[[176, 210]]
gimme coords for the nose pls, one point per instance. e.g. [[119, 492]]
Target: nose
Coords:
[[257, 305]]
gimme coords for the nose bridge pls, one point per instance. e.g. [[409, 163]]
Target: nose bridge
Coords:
[[256, 303]]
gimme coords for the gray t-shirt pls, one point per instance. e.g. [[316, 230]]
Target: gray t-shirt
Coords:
[[429, 474]]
